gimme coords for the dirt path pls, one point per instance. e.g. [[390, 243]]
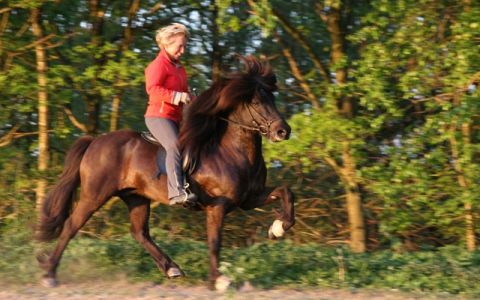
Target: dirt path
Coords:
[[122, 290]]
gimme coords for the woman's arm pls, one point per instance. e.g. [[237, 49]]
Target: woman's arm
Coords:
[[154, 81]]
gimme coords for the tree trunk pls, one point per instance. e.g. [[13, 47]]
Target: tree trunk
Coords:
[[469, 228], [94, 98], [115, 112], [3, 26], [127, 39], [93, 114], [346, 109], [216, 49], [469, 217], [43, 151], [354, 202], [463, 182]]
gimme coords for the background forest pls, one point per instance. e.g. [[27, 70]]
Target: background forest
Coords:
[[382, 97]]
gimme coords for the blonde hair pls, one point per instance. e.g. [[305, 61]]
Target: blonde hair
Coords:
[[164, 34]]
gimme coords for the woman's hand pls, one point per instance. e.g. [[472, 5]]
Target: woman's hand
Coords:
[[181, 97]]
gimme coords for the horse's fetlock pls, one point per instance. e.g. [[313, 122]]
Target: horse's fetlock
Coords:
[[288, 224]]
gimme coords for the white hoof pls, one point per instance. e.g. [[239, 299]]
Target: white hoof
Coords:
[[222, 283], [276, 230], [49, 282], [174, 273]]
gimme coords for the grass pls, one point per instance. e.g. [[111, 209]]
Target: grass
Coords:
[[268, 264]]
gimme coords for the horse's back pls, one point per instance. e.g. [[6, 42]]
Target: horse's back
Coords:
[[116, 161], [108, 148]]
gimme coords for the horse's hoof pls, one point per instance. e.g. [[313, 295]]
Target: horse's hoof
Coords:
[[49, 282], [222, 283], [276, 230], [174, 272]]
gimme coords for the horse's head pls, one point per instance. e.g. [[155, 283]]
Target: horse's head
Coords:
[[261, 114], [244, 99], [249, 95]]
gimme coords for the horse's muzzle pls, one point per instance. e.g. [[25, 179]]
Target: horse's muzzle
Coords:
[[279, 131]]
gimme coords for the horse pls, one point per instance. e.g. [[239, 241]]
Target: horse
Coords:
[[221, 142]]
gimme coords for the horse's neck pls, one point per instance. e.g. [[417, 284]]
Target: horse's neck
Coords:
[[242, 143]]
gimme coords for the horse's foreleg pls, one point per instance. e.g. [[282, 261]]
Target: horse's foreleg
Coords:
[[215, 218], [286, 218], [139, 209]]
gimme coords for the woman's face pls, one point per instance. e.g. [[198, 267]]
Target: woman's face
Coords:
[[176, 47]]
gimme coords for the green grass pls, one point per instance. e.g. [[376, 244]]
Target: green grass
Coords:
[[266, 265]]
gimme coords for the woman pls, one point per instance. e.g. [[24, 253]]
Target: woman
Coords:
[[167, 88]]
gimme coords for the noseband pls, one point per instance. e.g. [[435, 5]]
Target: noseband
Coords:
[[263, 128]]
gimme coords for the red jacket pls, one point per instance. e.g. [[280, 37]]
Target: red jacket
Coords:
[[163, 78]]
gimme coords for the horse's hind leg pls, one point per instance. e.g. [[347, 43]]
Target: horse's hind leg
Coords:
[[139, 209], [83, 211]]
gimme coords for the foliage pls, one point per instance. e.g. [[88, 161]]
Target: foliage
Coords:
[[266, 264]]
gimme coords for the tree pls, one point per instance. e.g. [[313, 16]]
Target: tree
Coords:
[[418, 63], [124, 45], [41, 59], [337, 104]]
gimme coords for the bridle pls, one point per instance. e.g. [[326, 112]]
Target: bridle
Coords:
[[262, 127]]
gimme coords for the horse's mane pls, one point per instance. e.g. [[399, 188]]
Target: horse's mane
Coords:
[[201, 129]]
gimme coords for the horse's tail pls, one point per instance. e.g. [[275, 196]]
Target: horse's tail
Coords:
[[57, 204]]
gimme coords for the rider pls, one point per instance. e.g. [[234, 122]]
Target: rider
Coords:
[[167, 88]]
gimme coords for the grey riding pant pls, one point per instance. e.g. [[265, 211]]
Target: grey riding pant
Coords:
[[166, 132]]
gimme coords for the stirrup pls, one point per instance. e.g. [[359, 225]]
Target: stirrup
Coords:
[[187, 199]]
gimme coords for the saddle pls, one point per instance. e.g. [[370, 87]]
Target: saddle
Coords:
[[146, 135]]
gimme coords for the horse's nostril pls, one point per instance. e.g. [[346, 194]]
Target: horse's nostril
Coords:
[[282, 133]]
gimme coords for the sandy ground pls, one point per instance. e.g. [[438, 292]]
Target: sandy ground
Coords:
[[122, 290]]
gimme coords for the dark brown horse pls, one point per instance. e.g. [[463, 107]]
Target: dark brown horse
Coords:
[[220, 139]]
